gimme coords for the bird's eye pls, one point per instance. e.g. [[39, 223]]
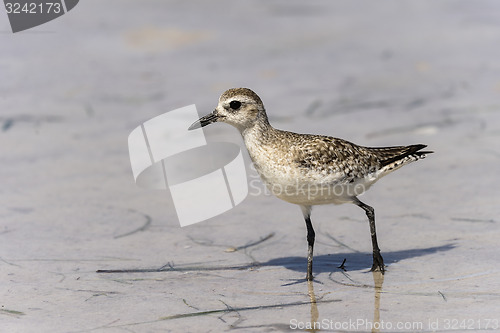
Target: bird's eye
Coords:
[[235, 105]]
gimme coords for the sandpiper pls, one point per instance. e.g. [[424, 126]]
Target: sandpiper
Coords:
[[306, 169]]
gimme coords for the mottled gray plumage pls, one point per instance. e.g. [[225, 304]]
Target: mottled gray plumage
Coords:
[[307, 169], [231, 93]]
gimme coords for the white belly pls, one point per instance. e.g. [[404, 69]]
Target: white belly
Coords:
[[293, 184]]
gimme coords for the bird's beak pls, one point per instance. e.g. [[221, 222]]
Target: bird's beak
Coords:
[[204, 121]]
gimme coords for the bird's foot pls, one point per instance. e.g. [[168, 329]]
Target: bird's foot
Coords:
[[378, 262]]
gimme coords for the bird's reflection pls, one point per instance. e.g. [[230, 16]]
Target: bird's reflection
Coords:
[[314, 306], [378, 281]]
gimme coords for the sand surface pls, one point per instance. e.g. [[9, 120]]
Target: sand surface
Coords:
[[390, 73]]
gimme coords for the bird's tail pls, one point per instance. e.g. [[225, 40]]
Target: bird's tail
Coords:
[[393, 158]]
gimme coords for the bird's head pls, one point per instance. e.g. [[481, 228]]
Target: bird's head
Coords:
[[239, 107]]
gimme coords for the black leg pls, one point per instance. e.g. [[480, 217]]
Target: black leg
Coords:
[[310, 242], [378, 262]]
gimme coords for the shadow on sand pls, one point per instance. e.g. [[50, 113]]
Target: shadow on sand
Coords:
[[353, 261], [322, 263]]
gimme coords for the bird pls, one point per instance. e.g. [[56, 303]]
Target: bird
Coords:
[[308, 169]]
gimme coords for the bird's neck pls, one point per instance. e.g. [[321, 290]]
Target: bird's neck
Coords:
[[260, 131]]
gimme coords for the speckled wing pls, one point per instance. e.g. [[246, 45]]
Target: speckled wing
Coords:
[[348, 161]]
